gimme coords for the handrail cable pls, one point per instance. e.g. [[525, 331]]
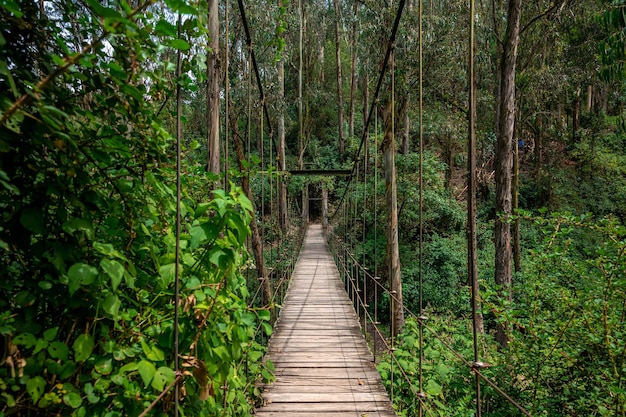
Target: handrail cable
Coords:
[[383, 70], [475, 367]]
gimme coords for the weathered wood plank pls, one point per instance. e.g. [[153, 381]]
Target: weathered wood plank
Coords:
[[323, 365]]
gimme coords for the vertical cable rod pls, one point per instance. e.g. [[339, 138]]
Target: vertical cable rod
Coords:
[[226, 105], [179, 134], [421, 208], [375, 213], [471, 207]]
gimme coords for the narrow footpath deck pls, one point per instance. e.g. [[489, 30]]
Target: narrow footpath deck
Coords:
[[323, 364]]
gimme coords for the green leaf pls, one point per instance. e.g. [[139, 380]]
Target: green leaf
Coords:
[[264, 315], [218, 257], [81, 274], [4, 70], [114, 270], [179, 44], [35, 387], [41, 345], [111, 305], [83, 346], [267, 328], [181, 6], [25, 339], [73, 225], [32, 219], [162, 377], [104, 366], [72, 399], [152, 352], [13, 7], [146, 370], [163, 27], [58, 350], [14, 124], [433, 388], [203, 232], [167, 274], [107, 249], [51, 334]]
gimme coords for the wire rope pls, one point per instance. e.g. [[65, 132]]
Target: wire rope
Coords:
[[474, 366], [179, 134], [246, 28], [383, 71]]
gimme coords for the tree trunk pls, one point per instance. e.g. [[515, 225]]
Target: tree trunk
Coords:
[[576, 115], [282, 186], [517, 249], [355, 10], [407, 125], [504, 161], [213, 91], [388, 148], [342, 143]]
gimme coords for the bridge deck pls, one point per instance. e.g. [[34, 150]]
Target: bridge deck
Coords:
[[323, 364]]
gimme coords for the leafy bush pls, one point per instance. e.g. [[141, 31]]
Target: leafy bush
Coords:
[[87, 229]]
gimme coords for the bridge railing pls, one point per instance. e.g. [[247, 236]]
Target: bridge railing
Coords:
[[363, 287]]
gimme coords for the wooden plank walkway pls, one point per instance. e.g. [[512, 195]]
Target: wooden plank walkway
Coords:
[[323, 364]]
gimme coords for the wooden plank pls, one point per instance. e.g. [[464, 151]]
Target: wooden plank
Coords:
[[327, 407]]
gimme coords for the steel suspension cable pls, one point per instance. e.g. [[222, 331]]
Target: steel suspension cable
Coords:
[[244, 20], [383, 70]]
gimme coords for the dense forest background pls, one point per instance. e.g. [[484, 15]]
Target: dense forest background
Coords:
[[95, 97]]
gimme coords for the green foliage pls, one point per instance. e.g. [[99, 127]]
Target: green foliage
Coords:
[[566, 346], [87, 231], [446, 381]]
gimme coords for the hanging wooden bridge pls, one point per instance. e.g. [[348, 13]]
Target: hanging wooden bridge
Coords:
[[323, 364]]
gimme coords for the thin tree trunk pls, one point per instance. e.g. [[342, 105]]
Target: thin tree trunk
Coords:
[[388, 148], [517, 249], [355, 10], [213, 91], [504, 161], [406, 134], [342, 143], [576, 115]]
